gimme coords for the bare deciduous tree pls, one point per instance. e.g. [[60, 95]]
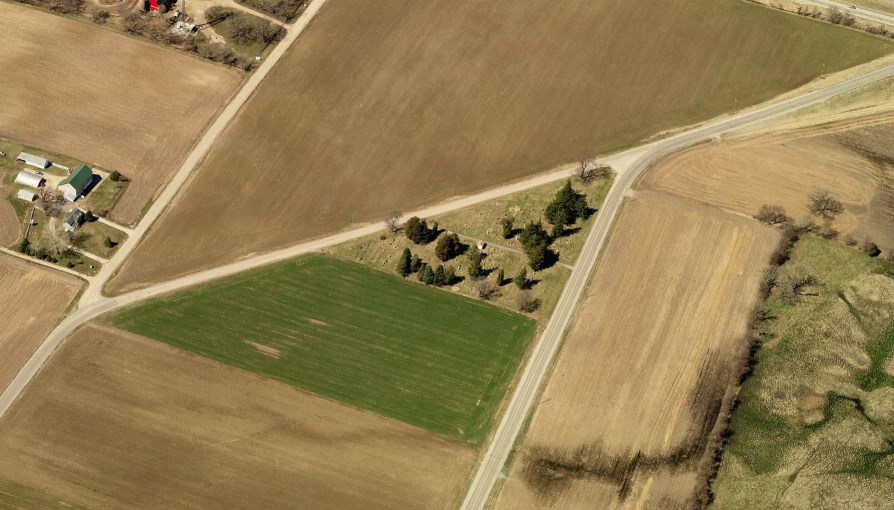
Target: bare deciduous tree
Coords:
[[821, 203], [52, 200], [63, 244], [392, 221], [526, 302], [485, 290], [772, 215], [585, 164]]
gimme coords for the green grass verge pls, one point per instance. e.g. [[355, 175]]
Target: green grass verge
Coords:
[[353, 334]]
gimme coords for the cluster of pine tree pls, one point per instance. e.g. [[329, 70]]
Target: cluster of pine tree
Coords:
[[439, 276]]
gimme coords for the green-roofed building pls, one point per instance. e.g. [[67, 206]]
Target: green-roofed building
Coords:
[[76, 182]]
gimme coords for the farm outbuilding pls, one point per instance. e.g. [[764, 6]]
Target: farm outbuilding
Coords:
[[26, 178], [73, 220], [28, 196], [35, 161], [76, 182]]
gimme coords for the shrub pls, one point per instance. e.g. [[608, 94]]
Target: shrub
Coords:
[[772, 215], [526, 302], [475, 269], [448, 246], [507, 224], [870, 248], [417, 230], [98, 15]]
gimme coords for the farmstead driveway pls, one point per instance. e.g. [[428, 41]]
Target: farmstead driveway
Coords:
[[628, 165]]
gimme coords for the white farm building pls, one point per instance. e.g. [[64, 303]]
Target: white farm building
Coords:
[[26, 178], [35, 161], [28, 196]]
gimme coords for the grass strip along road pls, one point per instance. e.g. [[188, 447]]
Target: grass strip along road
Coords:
[[354, 334]]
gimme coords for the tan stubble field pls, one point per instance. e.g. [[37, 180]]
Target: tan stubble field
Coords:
[[852, 159], [107, 99], [647, 362], [120, 421], [32, 298], [422, 102]]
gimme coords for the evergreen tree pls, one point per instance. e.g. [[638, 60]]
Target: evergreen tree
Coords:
[[566, 207], [521, 279], [426, 275], [535, 242], [475, 269], [500, 276], [439, 276], [415, 264], [404, 267], [449, 275]]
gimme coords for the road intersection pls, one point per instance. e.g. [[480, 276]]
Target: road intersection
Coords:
[[628, 165]]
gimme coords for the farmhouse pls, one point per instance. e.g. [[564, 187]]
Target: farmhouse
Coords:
[[73, 220], [35, 161], [75, 184], [26, 178], [28, 196]]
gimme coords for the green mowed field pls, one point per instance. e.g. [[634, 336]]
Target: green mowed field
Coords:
[[815, 426], [354, 334], [426, 100]]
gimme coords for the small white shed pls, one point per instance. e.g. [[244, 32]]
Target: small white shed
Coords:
[[27, 196], [35, 161], [26, 178]]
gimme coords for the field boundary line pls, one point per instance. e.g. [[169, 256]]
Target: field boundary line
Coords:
[[44, 263]]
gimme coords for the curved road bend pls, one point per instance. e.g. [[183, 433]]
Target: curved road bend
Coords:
[[639, 159]]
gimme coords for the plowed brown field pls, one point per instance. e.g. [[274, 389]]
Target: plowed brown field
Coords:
[[117, 420], [10, 228], [422, 101], [32, 298], [857, 165], [104, 98], [638, 383]]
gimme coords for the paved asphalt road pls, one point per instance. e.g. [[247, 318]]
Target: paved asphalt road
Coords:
[[525, 393], [857, 12]]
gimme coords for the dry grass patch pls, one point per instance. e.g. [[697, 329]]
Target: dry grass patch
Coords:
[[638, 384], [857, 165], [105, 98], [423, 102], [815, 426], [32, 299], [119, 421]]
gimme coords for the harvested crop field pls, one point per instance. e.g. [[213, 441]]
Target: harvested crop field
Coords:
[[10, 228], [32, 298], [423, 102], [857, 165], [815, 424], [120, 421], [104, 98], [638, 383], [348, 332]]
